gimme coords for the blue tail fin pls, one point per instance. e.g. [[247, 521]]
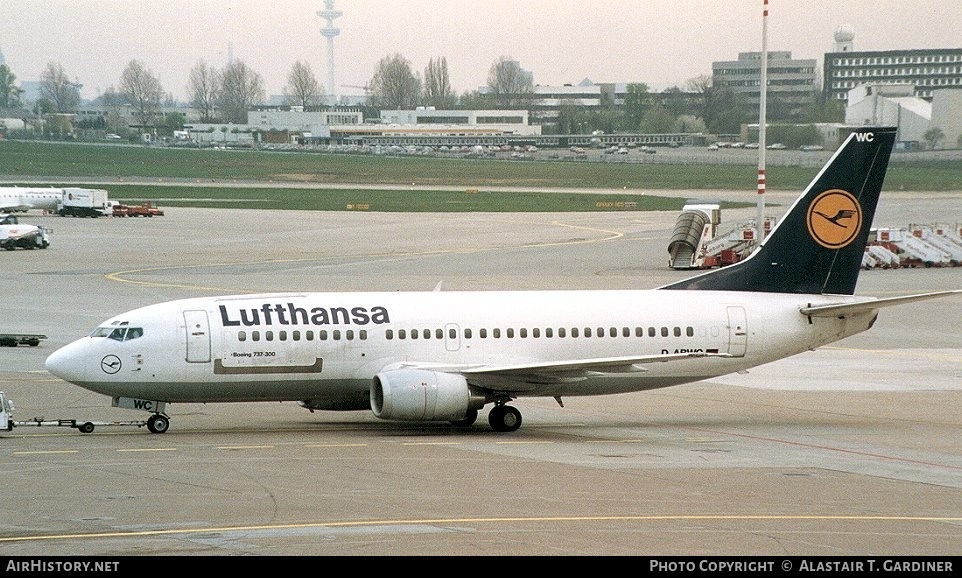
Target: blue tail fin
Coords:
[[817, 247]]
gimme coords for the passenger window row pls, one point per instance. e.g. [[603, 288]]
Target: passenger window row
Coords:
[[468, 333], [538, 333], [309, 335]]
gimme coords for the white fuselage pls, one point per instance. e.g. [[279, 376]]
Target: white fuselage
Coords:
[[26, 198], [327, 347]]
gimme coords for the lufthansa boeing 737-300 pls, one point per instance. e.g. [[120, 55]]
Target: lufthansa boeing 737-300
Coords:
[[438, 356]]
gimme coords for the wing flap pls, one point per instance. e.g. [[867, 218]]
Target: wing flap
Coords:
[[561, 371]]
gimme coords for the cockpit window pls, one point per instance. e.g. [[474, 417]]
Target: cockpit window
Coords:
[[118, 333]]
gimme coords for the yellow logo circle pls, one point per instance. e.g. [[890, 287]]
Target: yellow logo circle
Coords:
[[834, 218]]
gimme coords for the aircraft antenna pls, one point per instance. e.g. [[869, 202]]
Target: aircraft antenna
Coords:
[[762, 113]]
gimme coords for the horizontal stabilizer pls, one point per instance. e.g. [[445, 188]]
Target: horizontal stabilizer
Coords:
[[842, 309]]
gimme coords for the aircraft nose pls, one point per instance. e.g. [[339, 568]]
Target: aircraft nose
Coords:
[[67, 363]]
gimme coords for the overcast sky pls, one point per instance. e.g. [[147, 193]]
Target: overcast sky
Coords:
[[660, 42]]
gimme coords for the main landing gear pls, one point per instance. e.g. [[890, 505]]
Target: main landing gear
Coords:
[[503, 418]]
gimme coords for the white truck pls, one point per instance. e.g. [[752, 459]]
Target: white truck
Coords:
[[79, 202]]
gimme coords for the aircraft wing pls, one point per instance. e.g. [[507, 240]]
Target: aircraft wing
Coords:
[[568, 370], [843, 309]]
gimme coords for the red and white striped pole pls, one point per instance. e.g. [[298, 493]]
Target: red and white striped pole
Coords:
[[762, 98]]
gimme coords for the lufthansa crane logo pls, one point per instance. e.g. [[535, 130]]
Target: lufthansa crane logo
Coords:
[[110, 364], [834, 219]]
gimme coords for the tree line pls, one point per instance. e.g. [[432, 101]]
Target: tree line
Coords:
[[225, 94]]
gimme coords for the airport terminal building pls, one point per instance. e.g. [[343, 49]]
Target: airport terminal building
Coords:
[[791, 82], [927, 70]]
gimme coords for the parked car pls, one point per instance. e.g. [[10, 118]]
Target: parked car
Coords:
[[777, 146]]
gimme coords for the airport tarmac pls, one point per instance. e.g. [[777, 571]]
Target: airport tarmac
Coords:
[[854, 449]]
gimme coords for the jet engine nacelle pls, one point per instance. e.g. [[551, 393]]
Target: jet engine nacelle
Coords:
[[420, 395]]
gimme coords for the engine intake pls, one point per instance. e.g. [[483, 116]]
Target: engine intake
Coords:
[[420, 395]]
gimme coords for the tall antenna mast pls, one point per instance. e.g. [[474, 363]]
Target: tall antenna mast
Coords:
[[329, 32], [762, 113]]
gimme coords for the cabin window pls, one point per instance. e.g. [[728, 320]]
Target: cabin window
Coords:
[[561, 332], [483, 333], [523, 332], [664, 332], [414, 334], [536, 332], [496, 333], [613, 332], [426, 333], [255, 335], [690, 331], [389, 334], [310, 335], [349, 334], [282, 335], [268, 336], [639, 331], [322, 334], [241, 336], [402, 333], [600, 332], [467, 333], [548, 332], [510, 332], [439, 333], [587, 332], [296, 335], [363, 334], [574, 332], [452, 333]]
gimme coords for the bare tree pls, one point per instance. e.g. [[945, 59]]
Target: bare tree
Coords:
[[394, 86], [203, 89], [302, 87], [9, 91], [113, 103], [637, 103], [509, 84], [701, 86], [241, 89], [62, 94], [437, 85], [142, 91]]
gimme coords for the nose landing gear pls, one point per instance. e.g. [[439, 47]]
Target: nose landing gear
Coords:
[[158, 423]]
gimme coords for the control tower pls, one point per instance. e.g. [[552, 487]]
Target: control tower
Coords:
[[330, 31]]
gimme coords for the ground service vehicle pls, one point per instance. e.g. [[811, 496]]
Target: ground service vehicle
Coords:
[[7, 423], [77, 202], [15, 234]]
